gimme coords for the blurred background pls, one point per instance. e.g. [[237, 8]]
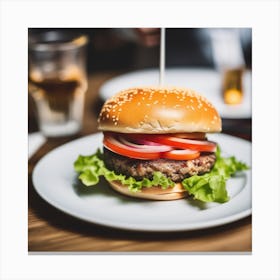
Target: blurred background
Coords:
[[126, 49]]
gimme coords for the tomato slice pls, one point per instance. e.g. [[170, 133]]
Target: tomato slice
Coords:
[[181, 154], [182, 143], [116, 146]]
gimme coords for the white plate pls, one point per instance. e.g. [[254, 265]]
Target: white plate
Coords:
[[55, 180], [204, 81]]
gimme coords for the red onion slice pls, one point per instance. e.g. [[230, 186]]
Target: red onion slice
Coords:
[[156, 148]]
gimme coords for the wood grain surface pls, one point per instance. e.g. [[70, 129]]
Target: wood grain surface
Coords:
[[50, 230]]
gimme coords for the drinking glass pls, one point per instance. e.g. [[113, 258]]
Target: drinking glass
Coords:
[[57, 80]]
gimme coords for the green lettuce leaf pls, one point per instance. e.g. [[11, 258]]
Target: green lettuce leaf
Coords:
[[210, 187]]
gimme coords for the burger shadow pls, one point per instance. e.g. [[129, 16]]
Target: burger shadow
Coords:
[[82, 190], [198, 204], [102, 189]]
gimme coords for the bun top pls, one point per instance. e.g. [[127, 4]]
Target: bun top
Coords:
[[158, 111]]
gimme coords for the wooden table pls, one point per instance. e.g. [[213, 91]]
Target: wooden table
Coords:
[[50, 230]]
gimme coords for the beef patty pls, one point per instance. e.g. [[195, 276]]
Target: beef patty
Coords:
[[176, 170]]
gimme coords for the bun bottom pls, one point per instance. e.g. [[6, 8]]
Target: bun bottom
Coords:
[[153, 193]]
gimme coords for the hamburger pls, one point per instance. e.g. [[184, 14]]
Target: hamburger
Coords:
[[155, 146]]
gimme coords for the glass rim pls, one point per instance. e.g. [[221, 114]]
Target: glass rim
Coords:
[[73, 41]]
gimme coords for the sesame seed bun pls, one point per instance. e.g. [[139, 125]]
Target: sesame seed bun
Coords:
[[158, 110], [153, 193]]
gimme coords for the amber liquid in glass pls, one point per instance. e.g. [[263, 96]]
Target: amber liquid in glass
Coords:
[[59, 102]]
